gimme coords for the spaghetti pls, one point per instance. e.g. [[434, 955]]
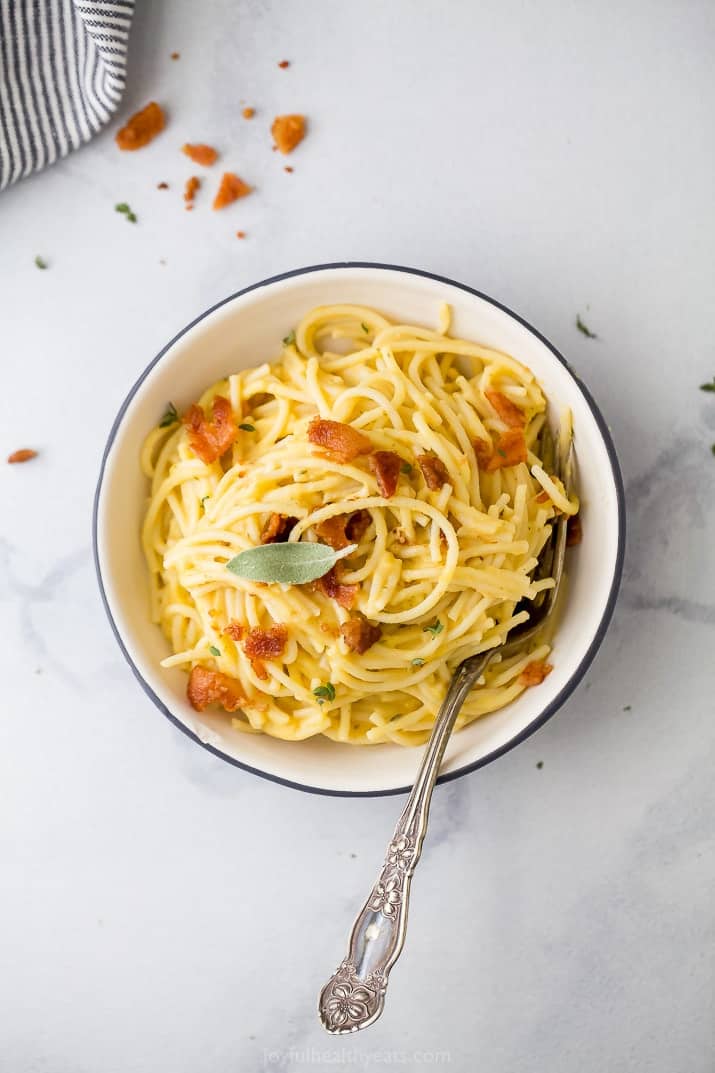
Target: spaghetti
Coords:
[[423, 454]]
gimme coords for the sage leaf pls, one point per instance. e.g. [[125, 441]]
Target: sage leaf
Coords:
[[290, 563]]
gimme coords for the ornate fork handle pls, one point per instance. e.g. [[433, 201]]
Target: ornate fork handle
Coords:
[[354, 996]]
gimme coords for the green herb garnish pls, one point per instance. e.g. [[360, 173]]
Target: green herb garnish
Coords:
[[248, 428], [124, 209], [710, 386], [289, 563], [417, 662], [712, 448], [406, 468], [170, 417], [364, 328], [584, 329], [131, 217], [501, 451], [539, 764], [290, 338], [214, 650], [40, 262], [627, 708], [326, 692], [434, 629]]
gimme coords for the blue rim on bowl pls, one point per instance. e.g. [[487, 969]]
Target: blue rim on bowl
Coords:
[[599, 634]]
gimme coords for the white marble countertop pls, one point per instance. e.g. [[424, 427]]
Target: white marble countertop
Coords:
[[163, 911]]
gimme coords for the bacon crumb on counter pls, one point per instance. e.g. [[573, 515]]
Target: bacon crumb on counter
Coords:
[[283, 64], [509, 449], [210, 439], [142, 127], [162, 186], [240, 234], [289, 169], [234, 630], [248, 113], [202, 154], [510, 414], [434, 471], [266, 644], [207, 686], [342, 441], [231, 188], [175, 55], [574, 531], [359, 634], [331, 586], [386, 467], [288, 131], [344, 529], [534, 673], [277, 529], [23, 455], [192, 185]]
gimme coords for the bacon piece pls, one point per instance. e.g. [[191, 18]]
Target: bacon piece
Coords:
[[543, 497], [192, 185], [142, 127], [162, 186], [283, 64], [205, 155], [210, 439], [23, 455], [207, 686], [359, 634], [331, 586], [230, 190], [386, 467], [234, 630], [248, 113], [266, 644], [534, 673], [510, 414], [288, 131], [342, 441], [483, 451], [277, 529], [510, 449], [574, 530], [434, 471], [343, 529]]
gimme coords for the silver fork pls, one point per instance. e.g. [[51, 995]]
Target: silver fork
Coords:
[[354, 996]]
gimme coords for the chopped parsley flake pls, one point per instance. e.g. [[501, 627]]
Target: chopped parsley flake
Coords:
[[326, 692], [290, 338], [214, 650], [364, 328], [124, 209], [406, 468], [710, 386], [434, 629], [248, 428], [584, 329], [539, 764], [501, 451], [40, 262], [712, 448], [627, 708], [170, 417]]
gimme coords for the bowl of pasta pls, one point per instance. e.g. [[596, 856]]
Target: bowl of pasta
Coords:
[[327, 491]]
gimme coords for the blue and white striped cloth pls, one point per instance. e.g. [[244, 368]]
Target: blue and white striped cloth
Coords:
[[62, 74]]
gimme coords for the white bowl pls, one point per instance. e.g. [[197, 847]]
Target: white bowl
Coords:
[[245, 330]]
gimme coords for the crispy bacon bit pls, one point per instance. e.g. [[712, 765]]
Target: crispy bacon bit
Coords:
[[192, 185], [23, 455], [574, 530], [386, 467], [434, 471], [331, 586], [142, 127], [248, 113], [483, 451], [543, 497], [210, 439], [202, 154], [234, 630], [240, 234], [342, 441], [343, 529], [359, 634], [266, 644], [277, 529], [509, 449], [162, 186], [207, 686], [288, 131], [283, 64], [534, 673], [230, 190], [288, 168], [333, 631], [175, 55], [510, 414]]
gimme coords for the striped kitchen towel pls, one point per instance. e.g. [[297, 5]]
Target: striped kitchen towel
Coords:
[[62, 73]]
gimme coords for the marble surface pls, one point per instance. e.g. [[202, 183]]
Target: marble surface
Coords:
[[162, 911]]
